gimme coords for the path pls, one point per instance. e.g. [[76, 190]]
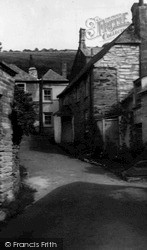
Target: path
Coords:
[[83, 204]]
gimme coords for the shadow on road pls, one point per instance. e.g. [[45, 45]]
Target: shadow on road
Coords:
[[87, 216], [42, 144]]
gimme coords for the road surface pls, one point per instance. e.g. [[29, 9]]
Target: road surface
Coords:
[[88, 207]]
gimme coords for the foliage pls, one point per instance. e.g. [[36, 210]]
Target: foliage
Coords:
[[127, 121], [22, 116], [0, 46], [24, 198]]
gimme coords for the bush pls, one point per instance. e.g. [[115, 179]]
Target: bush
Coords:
[[23, 115]]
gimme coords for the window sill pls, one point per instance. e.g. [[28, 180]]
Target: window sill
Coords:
[[137, 106], [47, 101], [48, 126]]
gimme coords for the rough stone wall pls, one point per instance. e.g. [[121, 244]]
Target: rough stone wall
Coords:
[[125, 59], [79, 104], [104, 90], [143, 118], [9, 173], [113, 77], [139, 13]]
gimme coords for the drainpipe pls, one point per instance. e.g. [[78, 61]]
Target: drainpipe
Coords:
[[40, 107], [118, 105]]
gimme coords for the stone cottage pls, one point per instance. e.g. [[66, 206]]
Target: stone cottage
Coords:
[[83, 55], [88, 106], [9, 172], [135, 105]]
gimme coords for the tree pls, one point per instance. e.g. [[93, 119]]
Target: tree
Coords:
[[0, 46], [22, 116]]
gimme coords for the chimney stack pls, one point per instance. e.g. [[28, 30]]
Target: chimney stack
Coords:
[[64, 70], [82, 34], [32, 69], [141, 2], [139, 19]]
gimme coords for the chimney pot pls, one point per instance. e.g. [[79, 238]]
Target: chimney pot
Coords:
[[32, 69]]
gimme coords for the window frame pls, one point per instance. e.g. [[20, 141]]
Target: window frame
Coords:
[[21, 83], [49, 89], [86, 120], [51, 119], [137, 97]]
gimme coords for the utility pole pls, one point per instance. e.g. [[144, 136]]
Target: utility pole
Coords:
[[40, 106]]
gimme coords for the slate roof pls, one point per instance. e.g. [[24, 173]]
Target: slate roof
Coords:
[[128, 36], [21, 74], [53, 76], [88, 51], [7, 68]]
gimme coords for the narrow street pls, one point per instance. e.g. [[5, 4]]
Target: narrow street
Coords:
[[82, 203]]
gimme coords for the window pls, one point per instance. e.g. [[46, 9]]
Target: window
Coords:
[[138, 134], [47, 95], [21, 86], [137, 97], [86, 83], [86, 118], [86, 115], [48, 119], [78, 93]]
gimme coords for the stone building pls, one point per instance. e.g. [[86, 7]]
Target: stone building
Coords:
[[44, 94], [136, 104], [83, 55], [9, 172], [88, 106]]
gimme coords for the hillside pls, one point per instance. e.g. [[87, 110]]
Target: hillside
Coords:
[[42, 60]]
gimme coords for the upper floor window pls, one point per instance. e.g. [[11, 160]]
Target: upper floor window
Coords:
[[137, 97], [47, 94], [21, 86]]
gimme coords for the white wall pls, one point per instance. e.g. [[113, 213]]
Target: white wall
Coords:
[[57, 129]]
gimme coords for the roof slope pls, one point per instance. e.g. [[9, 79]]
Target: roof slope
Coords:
[[7, 68], [21, 74], [128, 36], [90, 51], [53, 76]]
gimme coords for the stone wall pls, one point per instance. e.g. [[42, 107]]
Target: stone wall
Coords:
[[112, 79], [9, 172], [105, 93], [139, 16], [125, 59], [143, 118], [78, 100]]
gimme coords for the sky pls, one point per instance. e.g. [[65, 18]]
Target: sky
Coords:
[[30, 24]]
